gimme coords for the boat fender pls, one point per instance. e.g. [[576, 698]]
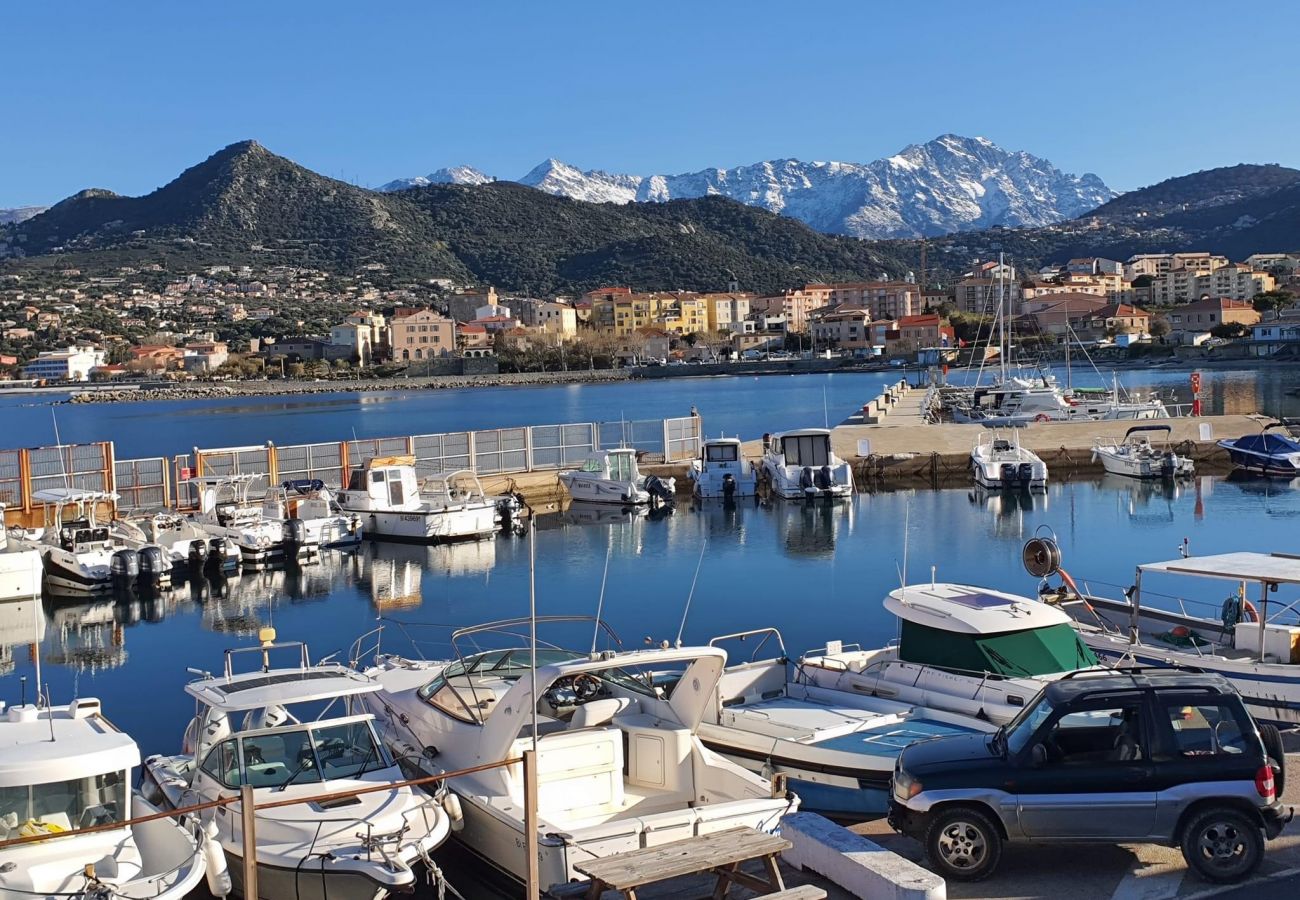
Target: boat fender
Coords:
[[1042, 417], [218, 871], [455, 813]]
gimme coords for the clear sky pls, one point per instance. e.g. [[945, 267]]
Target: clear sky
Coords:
[[124, 95]]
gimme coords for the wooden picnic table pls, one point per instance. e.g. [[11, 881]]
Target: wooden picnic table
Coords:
[[722, 852]]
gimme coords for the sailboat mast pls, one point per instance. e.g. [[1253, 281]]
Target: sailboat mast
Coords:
[[1069, 333], [1002, 321]]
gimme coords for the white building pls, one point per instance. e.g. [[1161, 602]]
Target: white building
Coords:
[[71, 364]]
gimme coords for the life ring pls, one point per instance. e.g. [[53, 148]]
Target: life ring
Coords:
[[1248, 608], [1074, 589], [1042, 417]]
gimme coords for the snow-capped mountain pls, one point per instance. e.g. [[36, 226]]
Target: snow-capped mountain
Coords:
[[453, 175], [19, 214], [952, 183]]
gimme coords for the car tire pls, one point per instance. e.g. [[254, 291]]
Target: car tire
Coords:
[[963, 844], [1223, 845], [1276, 753]]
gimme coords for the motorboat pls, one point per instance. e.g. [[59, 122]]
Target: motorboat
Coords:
[[612, 476], [1136, 457], [227, 511], [20, 566], [836, 747], [720, 471], [394, 505], [187, 547], [1017, 402], [64, 769], [1266, 453], [1001, 463], [620, 765], [1257, 651], [310, 514], [80, 553], [286, 732], [799, 465]]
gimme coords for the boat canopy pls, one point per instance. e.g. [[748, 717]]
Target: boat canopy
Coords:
[[73, 495], [965, 609], [85, 744], [808, 447], [1137, 429], [1267, 444], [1269, 568], [1028, 653], [282, 687]]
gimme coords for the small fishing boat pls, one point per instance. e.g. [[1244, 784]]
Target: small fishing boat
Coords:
[[612, 476], [285, 731], [20, 566], [324, 524], [79, 551], [999, 463], [1136, 457], [226, 511], [1257, 651], [837, 748], [800, 465], [394, 505], [620, 765], [1266, 453], [67, 768], [720, 471], [187, 547]]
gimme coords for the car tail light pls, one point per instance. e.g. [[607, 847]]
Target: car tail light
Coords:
[[1264, 783]]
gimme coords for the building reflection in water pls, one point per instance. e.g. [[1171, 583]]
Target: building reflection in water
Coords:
[[22, 624]]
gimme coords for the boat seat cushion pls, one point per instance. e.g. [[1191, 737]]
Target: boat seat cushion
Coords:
[[599, 712], [580, 771]]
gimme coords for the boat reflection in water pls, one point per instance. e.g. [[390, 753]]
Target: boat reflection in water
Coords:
[[811, 528], [1008, 508], [395, 571], [22, 623], [1281, 496], [239, 604], [581, 512], [86, 633], [725, 517], [1148, 501]]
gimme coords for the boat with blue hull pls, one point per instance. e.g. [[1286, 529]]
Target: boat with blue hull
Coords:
[[1266, 453]]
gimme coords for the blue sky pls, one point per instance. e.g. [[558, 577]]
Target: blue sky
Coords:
[[126, 95]]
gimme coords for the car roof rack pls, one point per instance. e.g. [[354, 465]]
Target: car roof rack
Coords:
[[1131, 670]]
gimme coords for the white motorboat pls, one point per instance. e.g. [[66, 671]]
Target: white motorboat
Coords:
[[282, 730], [620, 765], [393, 505], [187, 547], [1016, 402], [226, 511], [613, 477], [311, 514], [1136, 457], [801, 465], [837, 747], [79, 552], [66, 768], [1258, 652], [997, 462], [20, 566], [720, 471]]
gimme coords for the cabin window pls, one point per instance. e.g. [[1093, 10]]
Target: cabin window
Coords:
[[722, 453], [222, 763], [807, 450], [622, 467], [64, 805], [395, 491], [280, 757], [1011, 654]]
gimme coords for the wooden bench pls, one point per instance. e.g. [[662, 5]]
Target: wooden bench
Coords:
[[722, 852]]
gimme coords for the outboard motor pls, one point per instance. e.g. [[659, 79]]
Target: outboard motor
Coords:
[[806, 477], [155, 568], [1167, 466], [198, 554], [217, 553], [824, 481], [729, 486], [1026, 474], [295, 532], [1008, 472], [659, 490], [124, 567]]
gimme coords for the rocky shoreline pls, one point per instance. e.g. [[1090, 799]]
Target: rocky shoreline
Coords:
[[285, 388]]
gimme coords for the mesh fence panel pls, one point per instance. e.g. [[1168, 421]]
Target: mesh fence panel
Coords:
[[81, 466], [684, 437], [306, 461], [436, 453], [141, 483], [11, 483], [555, 446], [502, 450]]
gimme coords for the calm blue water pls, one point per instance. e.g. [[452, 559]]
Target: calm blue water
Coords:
[[744, 406]]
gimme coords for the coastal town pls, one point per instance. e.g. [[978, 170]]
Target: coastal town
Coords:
[[237, 322]]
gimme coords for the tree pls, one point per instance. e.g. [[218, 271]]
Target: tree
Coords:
[[1273, 301], [1159, 327], [1230, 330]]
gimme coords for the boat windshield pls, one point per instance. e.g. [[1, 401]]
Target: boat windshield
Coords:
[[622, 467], [1028, 653], [298, 755], [63, 805], [721, 452], [807, 449]]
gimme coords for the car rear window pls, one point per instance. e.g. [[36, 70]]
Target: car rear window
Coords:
[[1205, 729]]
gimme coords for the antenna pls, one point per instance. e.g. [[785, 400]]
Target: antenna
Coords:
[[690, 596], [826, 416], [58, 446], [907, 533], [600, 603], [532, 621]]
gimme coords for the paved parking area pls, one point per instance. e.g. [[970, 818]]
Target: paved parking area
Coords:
[[1127, 872]]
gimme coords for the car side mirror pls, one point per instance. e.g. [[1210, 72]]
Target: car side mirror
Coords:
[[1037, 755]]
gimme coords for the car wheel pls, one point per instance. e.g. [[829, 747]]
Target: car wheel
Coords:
[[1276, 754], [1223, 845], [963, 844]]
